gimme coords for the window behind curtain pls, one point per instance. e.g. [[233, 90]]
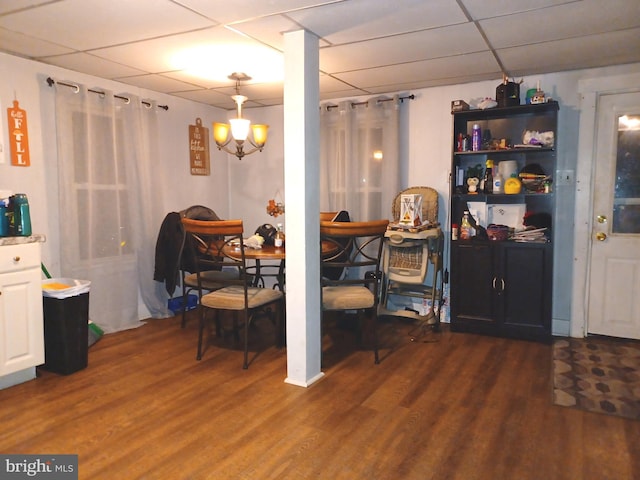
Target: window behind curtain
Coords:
[[100, 186], [108, 218], [352, 178]]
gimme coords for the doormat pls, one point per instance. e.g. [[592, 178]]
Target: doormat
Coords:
[[598, 375]]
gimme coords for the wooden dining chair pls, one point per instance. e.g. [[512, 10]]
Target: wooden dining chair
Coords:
[[357, 247], [327, 216], [222, 247], [209, 280]]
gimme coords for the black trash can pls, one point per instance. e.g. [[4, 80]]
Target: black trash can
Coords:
[[66, 330]]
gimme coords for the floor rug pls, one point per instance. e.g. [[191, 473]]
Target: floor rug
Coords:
[[597, 374]]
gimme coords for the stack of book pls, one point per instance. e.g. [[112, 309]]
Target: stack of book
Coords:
[[535, 235]]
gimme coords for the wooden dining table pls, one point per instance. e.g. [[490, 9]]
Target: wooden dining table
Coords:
[[275, 255]]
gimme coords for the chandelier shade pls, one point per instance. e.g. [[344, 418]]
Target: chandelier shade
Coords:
[[239, 128]]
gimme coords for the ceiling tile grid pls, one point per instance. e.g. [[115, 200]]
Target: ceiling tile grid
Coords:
[[366, 46]]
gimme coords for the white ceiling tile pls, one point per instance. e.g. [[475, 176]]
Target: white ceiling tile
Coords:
[[575, 19], [400, 49], [409, 86], [25, 45], [210, 97], [87, 63], [14, 5], [379, 46], [87, 24], [330, 84], [358, 20], [189, 78], [259, 91], [270, 30], [497, 8], [347, 93], [440, 68], [226, 12], [159, 55], [583, 52], [159, 83]]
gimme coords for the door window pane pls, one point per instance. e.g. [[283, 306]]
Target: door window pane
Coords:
[[626, 201]]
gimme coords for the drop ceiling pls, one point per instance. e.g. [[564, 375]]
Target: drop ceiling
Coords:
[[366, 46]]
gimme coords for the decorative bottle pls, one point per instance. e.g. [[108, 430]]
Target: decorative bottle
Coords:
[[488, 178], [498, 185], [465, 226], [476, 138], [278, 240]]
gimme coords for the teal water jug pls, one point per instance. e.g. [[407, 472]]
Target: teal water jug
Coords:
[[21, 215], [4, 217]]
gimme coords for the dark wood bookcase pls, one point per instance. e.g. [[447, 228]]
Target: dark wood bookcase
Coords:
[[503, 288]]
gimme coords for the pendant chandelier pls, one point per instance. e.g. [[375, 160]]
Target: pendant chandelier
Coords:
[[239, 127]]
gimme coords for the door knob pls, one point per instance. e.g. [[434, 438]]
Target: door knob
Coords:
[[601, 219], [601, 236]]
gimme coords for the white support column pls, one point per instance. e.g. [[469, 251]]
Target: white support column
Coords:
[[302, 200]]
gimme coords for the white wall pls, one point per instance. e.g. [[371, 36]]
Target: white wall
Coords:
[[25, 80], [257, 178]]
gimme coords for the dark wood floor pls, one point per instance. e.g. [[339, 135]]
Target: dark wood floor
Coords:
[[457, 407]]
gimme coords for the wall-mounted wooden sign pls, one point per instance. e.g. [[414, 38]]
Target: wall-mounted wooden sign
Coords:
[[199, 148], [18, 136]]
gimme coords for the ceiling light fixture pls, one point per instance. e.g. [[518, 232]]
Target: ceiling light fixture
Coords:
[[239, 127]]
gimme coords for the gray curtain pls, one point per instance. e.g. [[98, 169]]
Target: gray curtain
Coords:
[[359, 157], [105, 151]]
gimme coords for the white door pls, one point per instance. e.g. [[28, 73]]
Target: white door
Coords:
[[614, 279]]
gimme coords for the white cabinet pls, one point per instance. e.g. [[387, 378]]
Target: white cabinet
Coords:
[[21, 318]]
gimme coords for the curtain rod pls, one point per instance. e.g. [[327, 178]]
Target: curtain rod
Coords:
[[51, 81], [355, 104]]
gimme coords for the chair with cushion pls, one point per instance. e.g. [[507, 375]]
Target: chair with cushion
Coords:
[[357, 247], [221, 247], [211, 279]]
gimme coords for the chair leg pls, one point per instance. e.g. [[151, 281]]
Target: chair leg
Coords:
[[218, 325], [247, 317], [372, 324], [281, 324], [185, 291], [183, 323], [374, 321], [201, 332]]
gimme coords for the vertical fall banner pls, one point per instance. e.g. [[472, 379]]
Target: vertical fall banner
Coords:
[[199, 148], [18, 136]]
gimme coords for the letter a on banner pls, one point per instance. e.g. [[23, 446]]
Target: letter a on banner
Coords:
[[18, 136]]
